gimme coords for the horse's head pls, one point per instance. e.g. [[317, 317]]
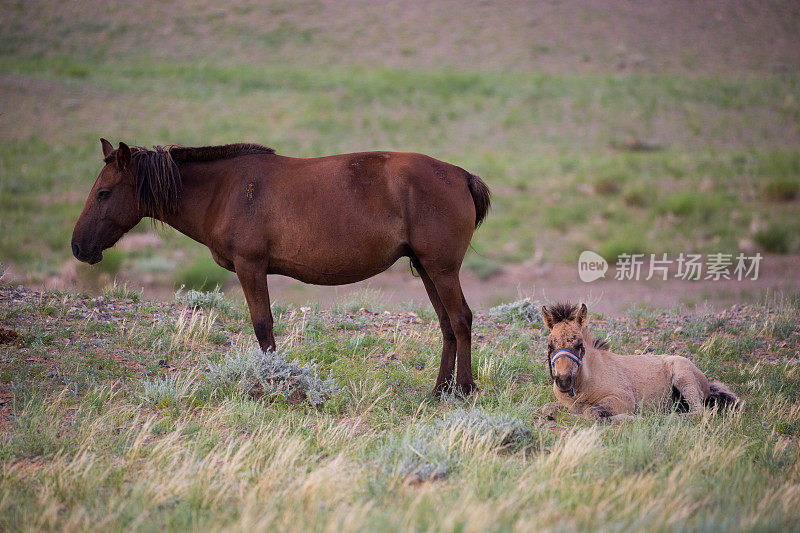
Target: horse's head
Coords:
[[111, 208], [565, 349]]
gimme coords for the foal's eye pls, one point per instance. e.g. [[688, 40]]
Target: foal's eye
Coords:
[[102, 195]]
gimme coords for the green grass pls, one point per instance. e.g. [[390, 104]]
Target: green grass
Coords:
[[113, 437], [558, 189], [554, 145]]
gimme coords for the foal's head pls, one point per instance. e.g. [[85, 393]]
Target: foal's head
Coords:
[[134, 183], [565, 349]]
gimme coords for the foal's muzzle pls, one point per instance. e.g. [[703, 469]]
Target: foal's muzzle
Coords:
[[566, 384]]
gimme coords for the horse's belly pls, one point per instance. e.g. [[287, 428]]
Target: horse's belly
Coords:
[[334, 268]]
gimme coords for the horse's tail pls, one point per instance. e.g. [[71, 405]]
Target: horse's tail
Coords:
[[721, 396], [481, 195]]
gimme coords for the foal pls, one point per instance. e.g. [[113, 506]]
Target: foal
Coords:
[[592, 381]]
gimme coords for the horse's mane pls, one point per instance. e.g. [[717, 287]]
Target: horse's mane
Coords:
[[159, 179]]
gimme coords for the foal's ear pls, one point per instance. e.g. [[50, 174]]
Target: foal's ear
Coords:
[[123, 156], [582, 314], [547, 316], [107, 148]]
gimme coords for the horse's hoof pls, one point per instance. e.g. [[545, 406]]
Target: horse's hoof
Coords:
[[442, 389], [465, 389]]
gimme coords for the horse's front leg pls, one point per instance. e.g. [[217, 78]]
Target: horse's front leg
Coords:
[[253, 278]]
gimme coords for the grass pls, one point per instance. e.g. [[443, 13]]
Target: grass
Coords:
[[559, 183], [144, 422], [123, 413]]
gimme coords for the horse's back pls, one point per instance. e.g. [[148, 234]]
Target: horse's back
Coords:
[[347, 217]]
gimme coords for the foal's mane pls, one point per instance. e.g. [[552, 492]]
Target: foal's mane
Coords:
[[159, 179], [562, 311]]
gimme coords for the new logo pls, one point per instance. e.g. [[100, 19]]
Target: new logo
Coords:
[[591, 266]]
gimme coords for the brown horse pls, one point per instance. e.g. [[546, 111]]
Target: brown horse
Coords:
[[591, 380], [327, 221]]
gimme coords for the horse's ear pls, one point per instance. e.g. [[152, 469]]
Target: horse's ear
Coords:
[[582, 314], [123, 156], [107, 148], [547, 316]]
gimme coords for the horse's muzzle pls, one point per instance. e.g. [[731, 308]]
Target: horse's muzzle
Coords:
[[87, 256]]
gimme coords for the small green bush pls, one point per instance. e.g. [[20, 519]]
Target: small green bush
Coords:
[[203, 274], [522, 311], [637, 196], [607, 185], [168, 391], [208, 300], [774, 239], [432, 451], [259, 374], [781, 189], [481, 266]]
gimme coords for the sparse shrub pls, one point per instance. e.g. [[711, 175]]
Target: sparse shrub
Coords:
[[493, 372], [202, 274], [168, 391], [637, 196], [481, 266], [522, 311], [607, 185], [193, 327], [493, 430], [722, 348], [681, 203], [430, 452], [780, 326], [369, 299], [623, 241], [259, 374], [420, 455], [774, 239], [781, 189], [122, 292], [209, 300]]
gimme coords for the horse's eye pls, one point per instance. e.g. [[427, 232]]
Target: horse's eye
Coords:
[[102, 195]]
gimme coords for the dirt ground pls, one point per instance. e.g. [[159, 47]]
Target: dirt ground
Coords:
[[548, 282], [778, 277]]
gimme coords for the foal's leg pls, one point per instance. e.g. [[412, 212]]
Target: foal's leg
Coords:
[[449, 289], [254, 284], [610, 409], [448, 361], [690, 382]]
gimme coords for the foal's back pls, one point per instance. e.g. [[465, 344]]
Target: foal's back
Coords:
[[648, 376]]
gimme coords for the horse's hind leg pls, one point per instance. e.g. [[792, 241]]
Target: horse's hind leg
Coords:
[[448, 287], [448, 361]]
